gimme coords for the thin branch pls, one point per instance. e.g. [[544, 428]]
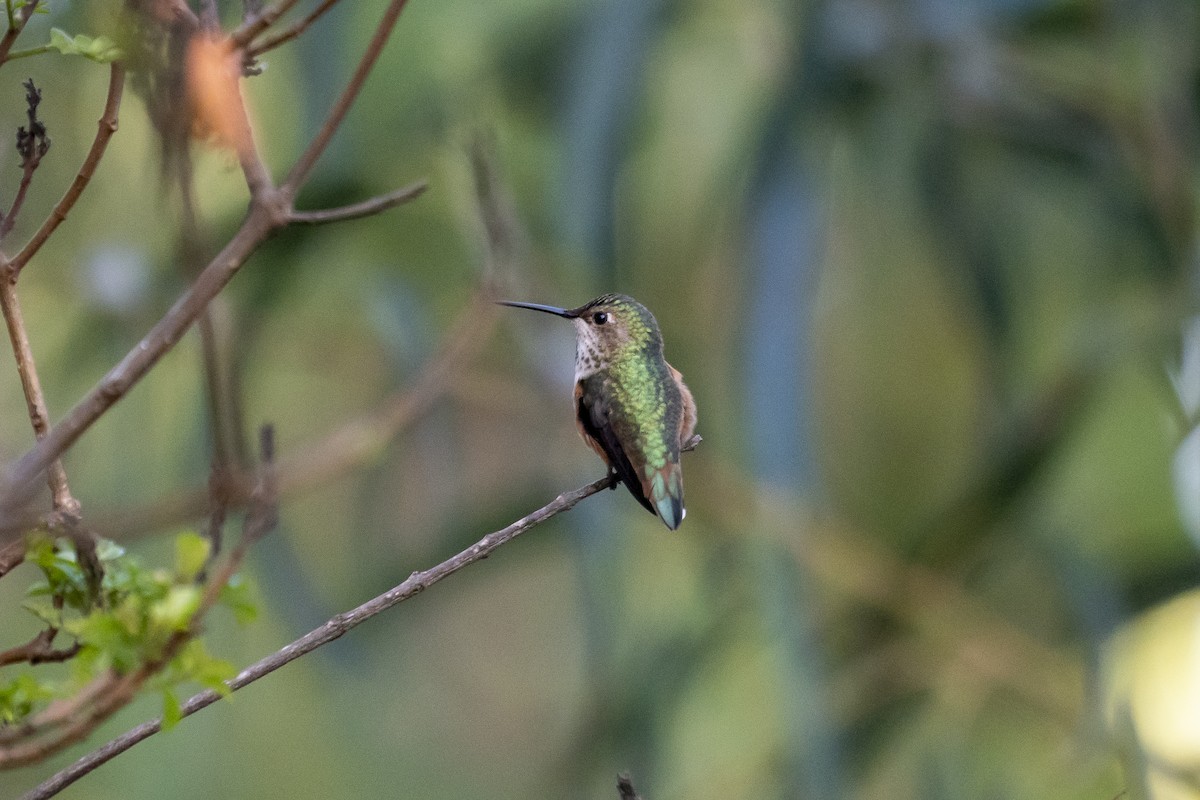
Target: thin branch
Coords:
[[303, 166], [364, 209], [269, 210], [12, 554], [35, 399], [32, 145], [38, 650], [345, 448], [291, 32], [260, 222], [259, 21], [107, 127], [15, 26], [331, 630]]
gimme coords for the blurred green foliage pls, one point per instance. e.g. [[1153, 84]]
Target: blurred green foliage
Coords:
[[925, 267], [130, 622]]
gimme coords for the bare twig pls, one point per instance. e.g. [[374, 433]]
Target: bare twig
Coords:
[[32, 145], [15, 26], [303, 166], [65, 505], [35, 400], [331, 630], [104, 132], [38, 650], [258, 20], [269, 210], [161, 338], [350, 445], [11, 555], [291, 32], [364, 209]]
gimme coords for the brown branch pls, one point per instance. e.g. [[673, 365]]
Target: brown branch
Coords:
[[10, 35], [259, 21], [35, 400], [331, 630], [65, 505], [269, 210], [259, 223], [32, 145], [349, 446], [291, 32], [38, 650], [11, 554], [303, 166], [106, 128], [364, 209]]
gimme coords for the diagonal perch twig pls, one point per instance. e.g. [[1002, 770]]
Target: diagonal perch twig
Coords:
[[331, 630]]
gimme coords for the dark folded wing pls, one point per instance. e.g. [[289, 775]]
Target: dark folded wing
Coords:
[[593, 414]]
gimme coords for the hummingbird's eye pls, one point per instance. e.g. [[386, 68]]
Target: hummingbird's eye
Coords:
[[600, 317]]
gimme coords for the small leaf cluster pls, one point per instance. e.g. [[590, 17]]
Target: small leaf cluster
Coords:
[[136, 621], [100, 49]]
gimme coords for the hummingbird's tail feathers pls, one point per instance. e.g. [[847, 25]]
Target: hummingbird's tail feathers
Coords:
[[666, 493]]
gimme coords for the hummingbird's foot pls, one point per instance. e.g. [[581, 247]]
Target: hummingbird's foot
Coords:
[[613, 483]]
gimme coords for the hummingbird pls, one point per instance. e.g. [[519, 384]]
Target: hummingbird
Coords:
[[631, 406]]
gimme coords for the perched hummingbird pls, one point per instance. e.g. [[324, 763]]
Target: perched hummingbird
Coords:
[[631, 406]]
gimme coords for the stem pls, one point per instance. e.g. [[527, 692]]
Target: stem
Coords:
[[260, 223], [304, 164], [32, 51], [35, 400], [363, 209], [259, 22], [105, 130], [16, 24], [291, 32]]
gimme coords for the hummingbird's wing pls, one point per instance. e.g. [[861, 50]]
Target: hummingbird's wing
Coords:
[[592, 415], [687, 426]]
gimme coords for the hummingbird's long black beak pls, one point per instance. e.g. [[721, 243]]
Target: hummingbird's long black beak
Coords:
[[561, 312]]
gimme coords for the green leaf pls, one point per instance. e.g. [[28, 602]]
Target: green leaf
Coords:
[[194, 663], [240, 597], [21, 696], [175, 611], [109, 634], [100, 48], [191, 554], [46, 612], [108, 550], [172, 711]]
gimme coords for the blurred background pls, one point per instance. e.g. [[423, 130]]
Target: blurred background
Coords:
[[929, 269]]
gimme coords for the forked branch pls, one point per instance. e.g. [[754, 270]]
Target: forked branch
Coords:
[[270, 209]]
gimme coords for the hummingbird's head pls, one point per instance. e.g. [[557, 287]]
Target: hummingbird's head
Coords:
[[606, 327]]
